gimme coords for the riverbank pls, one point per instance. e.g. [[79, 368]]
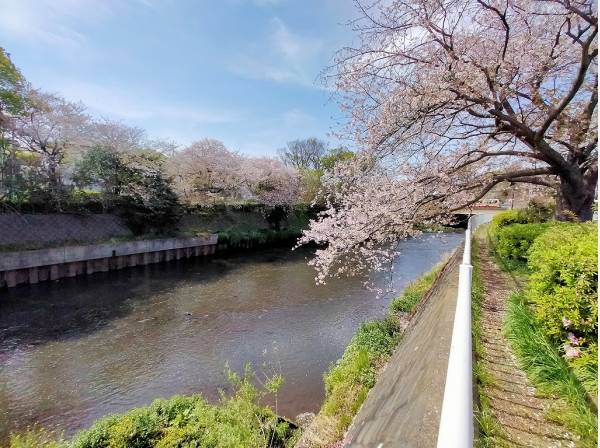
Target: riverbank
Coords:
[[33, 250], [237, 420]]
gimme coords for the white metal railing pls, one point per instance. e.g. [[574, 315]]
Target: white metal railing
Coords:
[[456, 422]]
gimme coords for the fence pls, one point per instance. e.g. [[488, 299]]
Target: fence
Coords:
[[456, 428]]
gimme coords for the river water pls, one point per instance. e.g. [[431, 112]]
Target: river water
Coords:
[[75, 350]]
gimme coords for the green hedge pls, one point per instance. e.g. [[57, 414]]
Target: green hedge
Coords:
[[512, 242], [517, 216], [563, 288]]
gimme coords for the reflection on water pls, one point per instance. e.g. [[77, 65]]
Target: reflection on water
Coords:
[[75, 350]]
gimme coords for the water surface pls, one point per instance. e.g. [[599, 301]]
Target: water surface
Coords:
[[77, 349]]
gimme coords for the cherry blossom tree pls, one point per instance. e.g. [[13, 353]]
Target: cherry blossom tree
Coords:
[[203, 168], [51, 127], [115, 136], [448, 98], [270, 181]]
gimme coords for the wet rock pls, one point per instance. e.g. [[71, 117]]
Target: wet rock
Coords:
[[304, 419]]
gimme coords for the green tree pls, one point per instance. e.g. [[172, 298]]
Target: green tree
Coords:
[[11, 103], [100, 167], [134, 183], [12, 86], [335, 156]]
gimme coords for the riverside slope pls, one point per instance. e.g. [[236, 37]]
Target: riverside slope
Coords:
[[403, 409]]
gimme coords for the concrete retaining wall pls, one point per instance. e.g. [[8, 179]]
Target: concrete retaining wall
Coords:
[[34, 266], [38, 229]]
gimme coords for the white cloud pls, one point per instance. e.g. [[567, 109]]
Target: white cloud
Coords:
[[51, 22], [116, 103], [57, 23], [287, 57], [297, 118]]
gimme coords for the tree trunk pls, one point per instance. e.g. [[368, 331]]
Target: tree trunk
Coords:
[[574, 202]]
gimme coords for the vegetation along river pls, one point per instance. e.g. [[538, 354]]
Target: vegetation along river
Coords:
[[75, 350]]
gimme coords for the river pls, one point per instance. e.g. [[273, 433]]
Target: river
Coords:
[[78, 349]]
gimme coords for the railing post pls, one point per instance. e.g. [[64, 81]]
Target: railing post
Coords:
[[456, 421]]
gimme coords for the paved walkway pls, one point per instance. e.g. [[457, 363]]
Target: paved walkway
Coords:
[[403, 409], [514, 402]]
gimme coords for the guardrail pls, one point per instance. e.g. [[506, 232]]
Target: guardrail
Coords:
[[456, 422]]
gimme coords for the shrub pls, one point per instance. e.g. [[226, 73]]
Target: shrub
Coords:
[[541, 209], [185, 421], [535, 213], [514, 241], [563, 287], [36, 438], [504, 219]]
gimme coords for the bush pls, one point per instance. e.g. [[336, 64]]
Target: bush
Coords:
[[36, 438], [541, 209], [563, 287], [513, 242], [186, 421], [537, 212]]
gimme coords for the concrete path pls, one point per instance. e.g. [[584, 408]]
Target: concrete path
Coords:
[[403, 409], [514, 403]]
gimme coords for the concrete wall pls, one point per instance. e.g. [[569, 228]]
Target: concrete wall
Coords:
[[34, 266], [34, 229]]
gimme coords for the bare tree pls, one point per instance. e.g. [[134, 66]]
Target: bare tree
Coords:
[[303, 154], [508, 84]]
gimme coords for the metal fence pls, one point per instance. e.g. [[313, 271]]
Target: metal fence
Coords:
[[456, 423]]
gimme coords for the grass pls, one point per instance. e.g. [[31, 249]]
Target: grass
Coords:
[[416, 290], [549, 372], [350, 379], [540, 358]]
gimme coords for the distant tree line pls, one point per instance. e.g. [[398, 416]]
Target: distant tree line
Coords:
[[54, 155]]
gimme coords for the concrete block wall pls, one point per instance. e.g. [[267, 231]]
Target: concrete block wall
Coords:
[[33, 266]]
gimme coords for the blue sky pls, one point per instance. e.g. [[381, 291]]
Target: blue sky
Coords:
[[242, 71]]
